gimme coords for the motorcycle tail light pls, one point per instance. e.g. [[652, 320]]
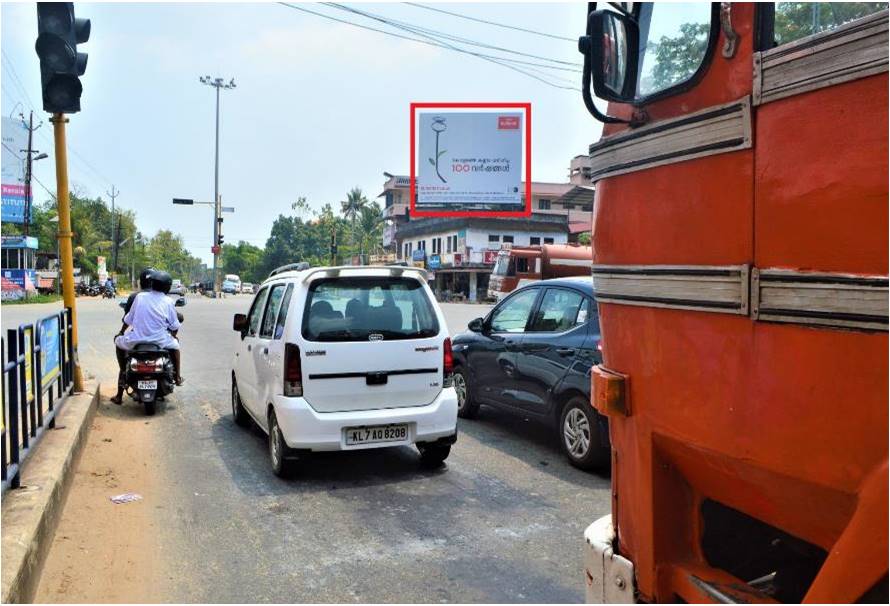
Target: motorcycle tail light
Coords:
[[293, 370], [138, 365]]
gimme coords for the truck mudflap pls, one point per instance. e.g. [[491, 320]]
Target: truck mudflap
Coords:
[[608, 576]]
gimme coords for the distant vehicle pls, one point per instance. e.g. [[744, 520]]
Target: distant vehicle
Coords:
[[345, 358], [523, 265], [532, 354], [178, 288], [246, 288], [234, 279], [229, 287]]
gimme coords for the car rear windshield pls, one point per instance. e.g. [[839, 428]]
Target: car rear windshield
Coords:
[[368, 308]]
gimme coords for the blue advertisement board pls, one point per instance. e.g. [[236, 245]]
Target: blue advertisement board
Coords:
[[50, 360], [434, 262]]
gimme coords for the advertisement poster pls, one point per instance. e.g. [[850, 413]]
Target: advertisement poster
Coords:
[[490, 257], [12, 170], [50, 360], [17, 283], [101, 269], [469, 160], [29, 364], [434, 262]]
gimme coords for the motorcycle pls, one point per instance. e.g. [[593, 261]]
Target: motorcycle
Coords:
[[108, 292], [150, 375]]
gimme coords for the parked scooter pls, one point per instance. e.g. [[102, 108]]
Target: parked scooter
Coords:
[[150, 374]]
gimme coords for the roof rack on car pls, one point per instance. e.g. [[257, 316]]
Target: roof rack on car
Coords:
[[302, 265], [393, 270]]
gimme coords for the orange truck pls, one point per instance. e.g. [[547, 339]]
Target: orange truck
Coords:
[[741, 269], [521, 265]]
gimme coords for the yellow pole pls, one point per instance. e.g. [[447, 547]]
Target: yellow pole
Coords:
[[65, 249]]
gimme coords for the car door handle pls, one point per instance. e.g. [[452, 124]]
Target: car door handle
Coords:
[[249, 347], [265, 351], [565, 351]]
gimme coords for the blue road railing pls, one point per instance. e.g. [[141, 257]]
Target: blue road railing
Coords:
[[38, 374]]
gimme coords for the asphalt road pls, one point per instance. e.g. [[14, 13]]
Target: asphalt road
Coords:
[[501, 522]]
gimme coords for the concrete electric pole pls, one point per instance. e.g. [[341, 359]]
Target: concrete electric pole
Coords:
[[114, 234]]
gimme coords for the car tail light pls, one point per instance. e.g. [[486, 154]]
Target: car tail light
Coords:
[[293, 370], [447, 363]]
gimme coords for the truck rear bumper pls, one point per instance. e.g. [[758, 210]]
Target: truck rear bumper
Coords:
[[608, 576]]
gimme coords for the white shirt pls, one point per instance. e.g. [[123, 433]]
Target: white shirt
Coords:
[[151, 317]]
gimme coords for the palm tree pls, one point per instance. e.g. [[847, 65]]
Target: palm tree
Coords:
[[352, 208], [370, 225]]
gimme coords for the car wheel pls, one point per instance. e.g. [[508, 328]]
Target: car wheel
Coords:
[[579, 436], [433, 455], [278, 449], [238, 413], [467, 408]]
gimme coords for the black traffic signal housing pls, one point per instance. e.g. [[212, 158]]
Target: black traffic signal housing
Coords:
[[58, 34], [219, 240]]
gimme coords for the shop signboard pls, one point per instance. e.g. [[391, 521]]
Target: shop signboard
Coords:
[[434, 262]]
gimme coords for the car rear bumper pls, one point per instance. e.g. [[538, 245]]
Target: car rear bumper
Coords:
[[304, 428]]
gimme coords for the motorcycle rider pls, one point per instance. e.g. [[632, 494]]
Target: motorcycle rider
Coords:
[[152, 318]]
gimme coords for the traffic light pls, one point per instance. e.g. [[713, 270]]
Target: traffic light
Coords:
[[58, 34], [219, 240]]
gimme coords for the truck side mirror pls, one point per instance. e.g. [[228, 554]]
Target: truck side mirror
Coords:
[[239, 324], [476, 325], [612, 48]]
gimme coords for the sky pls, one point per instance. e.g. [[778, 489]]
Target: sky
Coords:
[[320, 107]]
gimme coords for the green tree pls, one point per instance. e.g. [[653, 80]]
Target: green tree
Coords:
[[352, 208], [677, 58], [795, 20], [243, 259], [370, 228]]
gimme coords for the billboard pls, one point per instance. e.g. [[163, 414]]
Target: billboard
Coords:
[[469, 160], [50, 360], [12, 170]]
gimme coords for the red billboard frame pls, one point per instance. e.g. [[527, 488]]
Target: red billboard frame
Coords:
[[472, 213]]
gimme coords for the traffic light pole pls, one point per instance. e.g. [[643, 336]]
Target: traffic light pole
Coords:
[[216, 229], [65, 247]]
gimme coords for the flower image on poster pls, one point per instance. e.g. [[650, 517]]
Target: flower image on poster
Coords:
[[469, 160]]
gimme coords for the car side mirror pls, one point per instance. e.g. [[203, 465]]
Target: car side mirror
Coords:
[[180, 302], [612, 47], [476, 325], [239, 324]]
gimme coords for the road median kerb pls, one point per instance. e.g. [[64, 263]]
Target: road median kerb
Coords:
[[31, 513]]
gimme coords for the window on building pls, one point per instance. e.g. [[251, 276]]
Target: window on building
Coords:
[[548, 240], [454, 246], [535, 240], [508, 239], [568, 207], [587, 208], [448, 244], [494, 238], [544, 204]]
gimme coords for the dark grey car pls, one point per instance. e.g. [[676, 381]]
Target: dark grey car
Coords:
[[532, 354]]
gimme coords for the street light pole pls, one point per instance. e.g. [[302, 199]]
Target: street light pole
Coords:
[[217, 83]]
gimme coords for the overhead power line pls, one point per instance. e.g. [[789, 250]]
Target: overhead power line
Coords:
[[494, 23], [497, 60], [447, 36]]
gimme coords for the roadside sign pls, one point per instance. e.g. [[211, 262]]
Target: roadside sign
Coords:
[[214, 249], [50, 361]]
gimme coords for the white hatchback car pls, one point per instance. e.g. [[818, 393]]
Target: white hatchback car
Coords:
[[345, 358]]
